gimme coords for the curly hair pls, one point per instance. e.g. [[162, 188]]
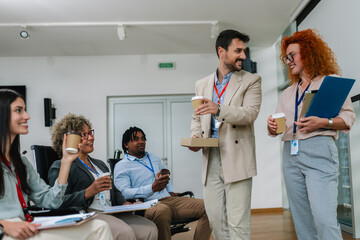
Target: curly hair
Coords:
[[317, 57], [68, 123]]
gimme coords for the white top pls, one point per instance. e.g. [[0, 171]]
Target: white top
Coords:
[[101, 199]]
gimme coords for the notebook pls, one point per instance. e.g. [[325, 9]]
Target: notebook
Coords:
[[309, 96], [330, 97]]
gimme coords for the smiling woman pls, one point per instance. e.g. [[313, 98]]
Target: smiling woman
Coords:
[[19, 182], [90, 184], [19, 118]]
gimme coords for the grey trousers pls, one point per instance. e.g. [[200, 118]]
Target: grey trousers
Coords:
[[311, 180]]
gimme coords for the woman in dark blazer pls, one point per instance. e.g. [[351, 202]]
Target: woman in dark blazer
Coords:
[[89, 188]]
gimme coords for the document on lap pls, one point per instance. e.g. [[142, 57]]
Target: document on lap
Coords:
[[63, 221], [130, 207]]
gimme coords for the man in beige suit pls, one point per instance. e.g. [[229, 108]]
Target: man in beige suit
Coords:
[[232, 99]]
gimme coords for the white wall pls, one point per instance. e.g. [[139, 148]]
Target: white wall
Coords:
[[267, 184], [338, 23], [81, 84]]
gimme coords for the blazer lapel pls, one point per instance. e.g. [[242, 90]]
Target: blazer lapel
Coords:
[[234, 85], [96, 162], [83, 168]]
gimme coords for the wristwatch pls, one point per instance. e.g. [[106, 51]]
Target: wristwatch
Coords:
[[218, 113], [2, 232], [330, 123]]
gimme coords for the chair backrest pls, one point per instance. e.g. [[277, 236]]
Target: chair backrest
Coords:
[[44, 157], [112, 162]]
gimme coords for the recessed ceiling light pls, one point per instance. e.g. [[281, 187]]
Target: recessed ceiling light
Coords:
[[24, 33]]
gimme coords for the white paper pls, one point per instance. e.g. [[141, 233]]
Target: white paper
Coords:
[[59, 221], [131, 207]]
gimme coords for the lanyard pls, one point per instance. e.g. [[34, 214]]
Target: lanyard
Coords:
[[151, 169], [19, 193], [93, 171], [217, 93], [297, 103]]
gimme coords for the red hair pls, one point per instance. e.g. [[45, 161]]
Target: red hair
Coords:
[[317, 57]]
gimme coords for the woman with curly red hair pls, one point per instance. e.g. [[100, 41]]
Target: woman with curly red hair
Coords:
[[310, 157]]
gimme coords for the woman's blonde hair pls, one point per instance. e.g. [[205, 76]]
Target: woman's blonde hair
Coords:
[[68, 123]]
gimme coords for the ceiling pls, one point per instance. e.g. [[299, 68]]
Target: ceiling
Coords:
[[263, 20]]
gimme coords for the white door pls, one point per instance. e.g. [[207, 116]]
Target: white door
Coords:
[[165, 120]]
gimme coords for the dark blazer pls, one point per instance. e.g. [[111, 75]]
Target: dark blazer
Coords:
[[79, 179]]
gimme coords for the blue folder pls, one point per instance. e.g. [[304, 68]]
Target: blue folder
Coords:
[[330, 97]]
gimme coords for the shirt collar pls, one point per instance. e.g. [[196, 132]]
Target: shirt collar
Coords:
[[226, 78], [133, 158]]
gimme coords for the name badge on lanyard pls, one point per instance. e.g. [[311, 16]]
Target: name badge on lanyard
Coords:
[[294, 150], [217, 123]]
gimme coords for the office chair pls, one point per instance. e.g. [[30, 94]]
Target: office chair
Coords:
[[177, 225], [44, 157]]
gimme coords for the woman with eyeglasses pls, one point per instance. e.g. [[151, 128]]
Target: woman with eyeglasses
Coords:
[[310, 157], [89, 188], [19, 182]]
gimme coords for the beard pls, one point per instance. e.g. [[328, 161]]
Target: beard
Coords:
[[235, 67]]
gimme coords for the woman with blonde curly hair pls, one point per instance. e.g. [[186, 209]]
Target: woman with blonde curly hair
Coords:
[[89, 188], [310, 158]]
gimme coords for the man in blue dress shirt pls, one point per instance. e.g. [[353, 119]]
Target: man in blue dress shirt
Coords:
[[138, 176]]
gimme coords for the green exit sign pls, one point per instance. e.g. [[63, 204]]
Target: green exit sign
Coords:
[[166, 65]]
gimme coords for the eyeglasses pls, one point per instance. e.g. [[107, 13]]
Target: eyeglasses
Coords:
[[289, 57], [85, 135]]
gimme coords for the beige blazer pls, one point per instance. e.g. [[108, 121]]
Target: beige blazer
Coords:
[[236, 133]]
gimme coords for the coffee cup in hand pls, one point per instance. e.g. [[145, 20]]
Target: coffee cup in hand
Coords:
[[164, 171], [73, 138], [196, 102], [280, 120], [104, 174]]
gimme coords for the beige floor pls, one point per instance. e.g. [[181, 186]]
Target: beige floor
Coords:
[[264, 226]]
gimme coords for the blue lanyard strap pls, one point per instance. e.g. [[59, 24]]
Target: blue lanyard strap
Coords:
[[93, 171], [151, 169], [297, 103]]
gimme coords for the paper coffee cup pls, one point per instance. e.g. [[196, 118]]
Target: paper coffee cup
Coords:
[[196, 102], [164, 171], [280, 120], [104, 174], [73, 138]]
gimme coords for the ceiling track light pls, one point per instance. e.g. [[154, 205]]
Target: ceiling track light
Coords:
[[121, 32], [214, 32], [120, 26], [24, 33]]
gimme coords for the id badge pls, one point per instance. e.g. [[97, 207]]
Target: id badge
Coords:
[[294, 150], [217, 123]]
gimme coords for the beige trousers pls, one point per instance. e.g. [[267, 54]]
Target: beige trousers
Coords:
[[227, 204], [177, 208], [126, 226], [92, 230]]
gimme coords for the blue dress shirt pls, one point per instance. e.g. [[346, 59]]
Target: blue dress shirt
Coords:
[[220, 86], [134, 180]]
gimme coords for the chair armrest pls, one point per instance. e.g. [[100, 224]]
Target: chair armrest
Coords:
[[190, 193]]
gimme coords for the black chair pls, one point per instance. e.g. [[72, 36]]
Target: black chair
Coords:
[[177, 225], [44, 157]]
